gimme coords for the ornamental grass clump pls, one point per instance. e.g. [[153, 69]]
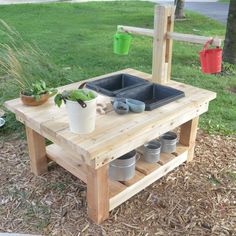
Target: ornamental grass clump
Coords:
[[24, 64]]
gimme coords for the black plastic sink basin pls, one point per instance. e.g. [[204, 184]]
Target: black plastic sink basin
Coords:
[[153, 95], [111, 86]]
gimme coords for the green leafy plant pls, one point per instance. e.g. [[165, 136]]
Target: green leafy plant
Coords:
[[74, 95], [25, 65], [39, 88]]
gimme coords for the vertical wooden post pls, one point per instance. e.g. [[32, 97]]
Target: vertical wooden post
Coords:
[[162, 47], [169, 42], [98, 194], [188, 133], [37, 152]]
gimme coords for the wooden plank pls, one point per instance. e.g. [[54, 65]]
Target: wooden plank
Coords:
[[115, 187], [71, 163], [146, 181], [37, 152], [33, 116], [106, 129], [166, 157], [145, 167], [98, 194], [188, 133], [138, 135], [138, 176], [108, 133], [190, 38]]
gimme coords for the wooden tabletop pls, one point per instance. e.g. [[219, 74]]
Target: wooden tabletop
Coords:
[[115, 134]]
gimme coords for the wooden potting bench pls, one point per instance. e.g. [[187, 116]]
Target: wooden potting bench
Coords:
[[87, 156]]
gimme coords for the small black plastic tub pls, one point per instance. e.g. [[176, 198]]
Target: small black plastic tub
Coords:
[[111, 86], [153, 95]]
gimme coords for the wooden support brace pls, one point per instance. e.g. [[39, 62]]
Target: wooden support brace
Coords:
[[37, 152], [98, 194], [188, 133]]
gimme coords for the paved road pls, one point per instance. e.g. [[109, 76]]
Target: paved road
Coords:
[[172, 1], [211, 8], [215, 10]]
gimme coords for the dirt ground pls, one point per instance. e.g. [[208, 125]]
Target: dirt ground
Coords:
[[198, 198]]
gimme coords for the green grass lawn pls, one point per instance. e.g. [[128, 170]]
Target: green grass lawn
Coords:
[[78, 38], [225, 1]]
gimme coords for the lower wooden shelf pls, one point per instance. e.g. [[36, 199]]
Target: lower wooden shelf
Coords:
[[77, 168], [120, 192], [147, 173]]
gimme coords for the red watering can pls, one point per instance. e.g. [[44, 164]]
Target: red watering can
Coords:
[[210, 59]]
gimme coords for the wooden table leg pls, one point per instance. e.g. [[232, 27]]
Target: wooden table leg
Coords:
[[37, 152], [188, 133], [98, 194]]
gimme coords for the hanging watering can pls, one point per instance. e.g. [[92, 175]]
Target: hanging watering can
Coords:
[[210, 59], [122, 43]]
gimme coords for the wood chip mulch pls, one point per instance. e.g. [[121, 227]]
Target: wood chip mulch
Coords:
[[198, 198]]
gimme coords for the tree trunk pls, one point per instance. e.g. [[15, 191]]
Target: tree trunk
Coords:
[[229, 53], [179, 12]]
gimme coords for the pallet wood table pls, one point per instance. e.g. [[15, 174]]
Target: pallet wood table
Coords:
[[87, 156]]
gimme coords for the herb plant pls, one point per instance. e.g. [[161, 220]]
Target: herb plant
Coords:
[[38, 88], [73, 95]]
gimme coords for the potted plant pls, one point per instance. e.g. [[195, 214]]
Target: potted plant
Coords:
[[81, 109], [25, 66]]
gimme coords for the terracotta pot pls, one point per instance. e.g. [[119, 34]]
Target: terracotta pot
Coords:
[[30, 100]]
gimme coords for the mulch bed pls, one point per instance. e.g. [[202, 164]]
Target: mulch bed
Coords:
[[198, 198]]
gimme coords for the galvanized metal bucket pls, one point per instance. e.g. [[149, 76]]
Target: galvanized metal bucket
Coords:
[[168, 142], [123, 168], [151, 151]]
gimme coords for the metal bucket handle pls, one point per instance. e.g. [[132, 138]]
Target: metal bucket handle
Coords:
[[81, 86], [206, 45], [138, 156]]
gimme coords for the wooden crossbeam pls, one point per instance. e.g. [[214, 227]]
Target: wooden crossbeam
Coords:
[[190, 38], [193, 38], [135, 30]]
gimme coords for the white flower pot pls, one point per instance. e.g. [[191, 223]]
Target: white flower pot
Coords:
[[81, 120]]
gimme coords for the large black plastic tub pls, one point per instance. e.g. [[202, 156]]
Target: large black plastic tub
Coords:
[[153, 95], [111, 86]]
